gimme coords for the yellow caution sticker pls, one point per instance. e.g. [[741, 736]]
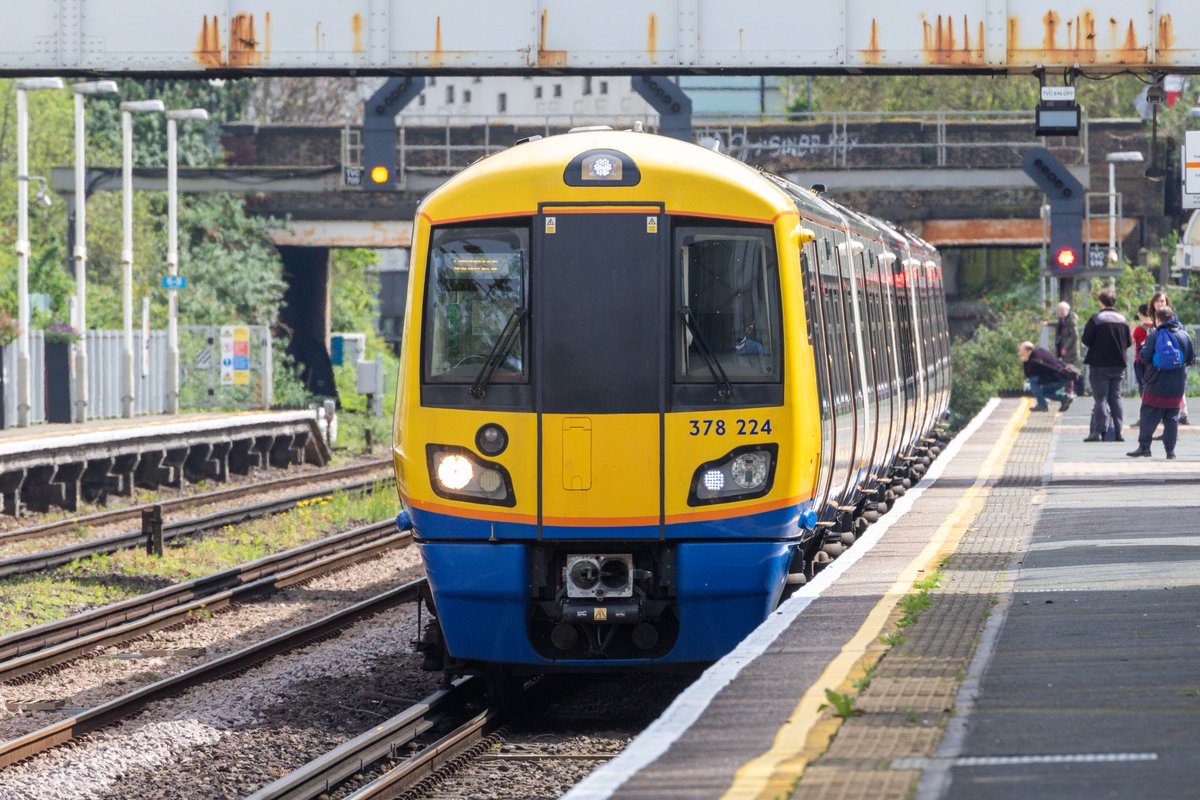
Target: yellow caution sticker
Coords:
[[551, 224], [651, 224], [600, 614]]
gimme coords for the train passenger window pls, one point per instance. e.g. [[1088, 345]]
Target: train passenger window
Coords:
[[476, 300], [726, 305]]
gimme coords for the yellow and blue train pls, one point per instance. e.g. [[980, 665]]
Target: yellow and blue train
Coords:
[[645, 388]]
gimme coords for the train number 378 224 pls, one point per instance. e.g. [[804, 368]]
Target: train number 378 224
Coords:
[[739, 427]]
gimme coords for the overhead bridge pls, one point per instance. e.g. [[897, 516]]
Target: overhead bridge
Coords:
[[619, 37]]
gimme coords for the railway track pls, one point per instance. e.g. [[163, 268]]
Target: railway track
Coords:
[[123, 707], [191, 501], [46, 559], [34, 649], [455, 705]]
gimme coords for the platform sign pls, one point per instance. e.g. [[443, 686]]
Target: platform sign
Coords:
[[174, 282], [235, 355], [1191, 169]]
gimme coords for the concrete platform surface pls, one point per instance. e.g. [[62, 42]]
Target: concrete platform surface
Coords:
[[1060, 655]]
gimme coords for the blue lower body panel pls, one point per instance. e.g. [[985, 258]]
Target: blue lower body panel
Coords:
[[723, 590]]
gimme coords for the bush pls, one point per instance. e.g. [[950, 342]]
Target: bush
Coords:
[[987, 364]]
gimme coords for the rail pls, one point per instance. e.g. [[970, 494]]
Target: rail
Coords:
[[45, 559], [125, 706], [35, 649]]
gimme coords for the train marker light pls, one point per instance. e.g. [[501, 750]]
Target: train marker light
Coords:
[[714, 480], [379, 174], [1066, 258]]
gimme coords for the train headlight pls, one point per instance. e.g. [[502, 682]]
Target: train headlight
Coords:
[[458, 474], [454, 472], [742, 474], [750, 470]]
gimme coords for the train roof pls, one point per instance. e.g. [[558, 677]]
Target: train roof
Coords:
[[685, 177]]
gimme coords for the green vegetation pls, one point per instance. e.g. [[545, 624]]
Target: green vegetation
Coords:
[[355, 307], [33, 599], [841, 704], [1111, 96]]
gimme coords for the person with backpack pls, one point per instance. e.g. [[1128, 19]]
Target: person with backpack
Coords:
[[1106, 336], [1166, 355]]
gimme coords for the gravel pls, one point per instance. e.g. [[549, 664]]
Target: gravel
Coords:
[[31, 704]]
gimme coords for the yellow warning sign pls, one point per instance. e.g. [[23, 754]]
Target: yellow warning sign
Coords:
[[600, 614], [551, 224], [651, 224]]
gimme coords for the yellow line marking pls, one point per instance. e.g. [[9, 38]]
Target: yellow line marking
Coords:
[[805, 735]]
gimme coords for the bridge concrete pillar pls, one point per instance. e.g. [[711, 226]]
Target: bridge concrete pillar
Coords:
[[306, 314]]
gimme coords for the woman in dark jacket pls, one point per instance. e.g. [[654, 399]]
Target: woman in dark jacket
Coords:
[[1163, 396]]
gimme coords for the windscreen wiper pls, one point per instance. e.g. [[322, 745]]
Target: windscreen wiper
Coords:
[[497, 353], [710, 360]]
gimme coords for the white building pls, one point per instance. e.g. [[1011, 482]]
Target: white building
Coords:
[[568, 99]]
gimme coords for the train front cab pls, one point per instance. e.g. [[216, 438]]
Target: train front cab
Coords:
[[651, 398]]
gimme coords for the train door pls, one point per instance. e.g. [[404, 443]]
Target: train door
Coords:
[[835, 290], [818, 335], [599, 288]]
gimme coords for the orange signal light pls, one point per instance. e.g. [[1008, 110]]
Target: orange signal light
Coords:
[[379, 174], [1065, 258]]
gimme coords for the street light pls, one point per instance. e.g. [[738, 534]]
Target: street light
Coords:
[[24, 367], [173, 251], [81, 90], [1123, 157], [128, 109]]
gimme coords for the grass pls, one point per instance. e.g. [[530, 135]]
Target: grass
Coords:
[[30, 600], [842, 705]]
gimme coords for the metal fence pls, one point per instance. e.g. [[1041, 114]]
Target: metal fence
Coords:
[[200, 385], [822, 140]]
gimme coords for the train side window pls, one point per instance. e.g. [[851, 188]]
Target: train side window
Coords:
[[476, 288], [727, 277]]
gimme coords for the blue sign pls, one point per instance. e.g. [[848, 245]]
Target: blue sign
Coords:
[[241, 362], [174, 282]]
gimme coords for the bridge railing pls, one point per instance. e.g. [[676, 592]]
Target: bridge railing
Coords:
[[817, 140]]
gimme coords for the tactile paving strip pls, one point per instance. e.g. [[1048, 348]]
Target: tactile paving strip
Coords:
[[912, 690]]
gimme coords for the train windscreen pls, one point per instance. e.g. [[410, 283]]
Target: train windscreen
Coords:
[[727, 305], [475, 304]]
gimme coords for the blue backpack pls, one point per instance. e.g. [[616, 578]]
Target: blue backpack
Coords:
[[1167, 353]]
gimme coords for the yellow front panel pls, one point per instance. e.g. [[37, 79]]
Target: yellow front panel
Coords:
[[622, 476]]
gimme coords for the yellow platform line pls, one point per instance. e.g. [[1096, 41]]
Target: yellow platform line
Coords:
[[804, 735]]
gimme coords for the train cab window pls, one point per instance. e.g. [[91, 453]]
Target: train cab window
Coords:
[[727, 305], [475, 304]]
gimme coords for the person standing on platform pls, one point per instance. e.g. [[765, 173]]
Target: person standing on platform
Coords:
[[1066, 341], [1144, 326], [1160, 300], [1167, 354], [1047, 376], [1106, 336]]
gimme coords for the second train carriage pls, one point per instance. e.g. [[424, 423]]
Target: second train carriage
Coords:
[[644, 388]]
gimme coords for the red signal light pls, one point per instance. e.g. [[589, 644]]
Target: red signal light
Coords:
[[1065, 258]]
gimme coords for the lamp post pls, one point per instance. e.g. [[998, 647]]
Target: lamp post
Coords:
[[173, 251], [81, 90], [128, 109], [24, 367], [1124, 157]]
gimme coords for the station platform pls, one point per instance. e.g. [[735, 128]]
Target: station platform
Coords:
[[1023, 623], [59, 465]]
